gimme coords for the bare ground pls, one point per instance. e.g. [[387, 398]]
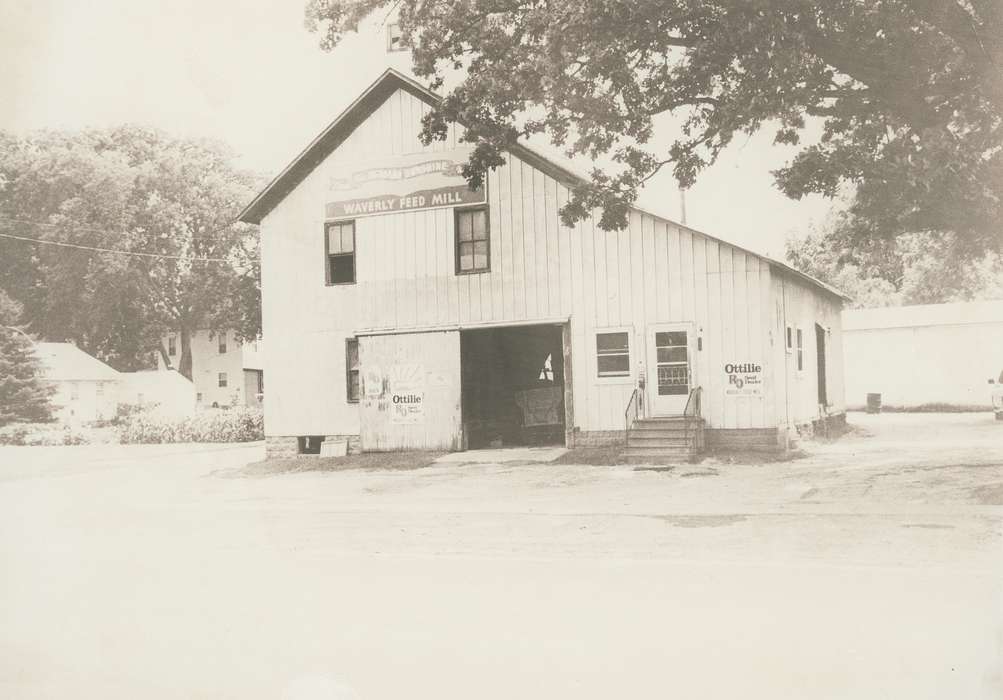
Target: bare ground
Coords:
[[869, 568]]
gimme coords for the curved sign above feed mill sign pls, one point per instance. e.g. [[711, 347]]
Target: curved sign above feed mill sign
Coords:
[[401, 183]]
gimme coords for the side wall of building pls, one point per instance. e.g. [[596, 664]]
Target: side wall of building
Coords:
[[541, 271], [84, 401], [913, 366], [207, 365], [796, 305]]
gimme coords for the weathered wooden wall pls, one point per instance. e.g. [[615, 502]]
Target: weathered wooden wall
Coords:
[[653, 271], [411, 391]]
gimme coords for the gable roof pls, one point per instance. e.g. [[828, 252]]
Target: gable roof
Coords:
[[67, 362], [340, 129], [370, 100]]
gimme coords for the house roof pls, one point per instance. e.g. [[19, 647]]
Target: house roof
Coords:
[[367, 103], [67, 362], [962, 313]]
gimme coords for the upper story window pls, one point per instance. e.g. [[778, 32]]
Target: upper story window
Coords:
[[172, 345], [395, 38], [613, 354], [221, 379], [473, 253], [790, 340], [339, 245], [221, 343]]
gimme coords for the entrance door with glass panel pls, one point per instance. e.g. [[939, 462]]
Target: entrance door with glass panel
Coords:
[[670, 368]]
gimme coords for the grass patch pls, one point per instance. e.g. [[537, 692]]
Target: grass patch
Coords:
[[594, 456], [367, 461]]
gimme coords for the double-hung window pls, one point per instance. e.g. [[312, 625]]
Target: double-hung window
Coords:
[[221, 345], [473, 253], [339, 244], [613, 354], [172, 345]]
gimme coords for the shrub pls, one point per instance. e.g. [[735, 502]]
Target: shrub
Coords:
[[41, 435], [212, 425]]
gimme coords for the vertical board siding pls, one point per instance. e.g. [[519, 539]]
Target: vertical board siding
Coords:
[[653, 271]]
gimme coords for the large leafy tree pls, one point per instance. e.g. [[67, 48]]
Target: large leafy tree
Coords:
[[24, 393], [168, 204], [911, 268], [907, 94]]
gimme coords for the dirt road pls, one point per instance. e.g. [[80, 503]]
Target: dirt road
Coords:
[[871, 569]]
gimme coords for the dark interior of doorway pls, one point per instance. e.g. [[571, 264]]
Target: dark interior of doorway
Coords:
[[823, 395], [512, 386]]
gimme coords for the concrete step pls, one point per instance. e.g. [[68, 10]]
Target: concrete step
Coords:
[[666, 432], [670, 419], [642, 440]]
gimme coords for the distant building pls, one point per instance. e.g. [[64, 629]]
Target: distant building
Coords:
[[930, 354], [225, 371], [86, 388], [166, 393]]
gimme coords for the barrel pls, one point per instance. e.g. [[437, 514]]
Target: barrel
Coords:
[[874, 403]]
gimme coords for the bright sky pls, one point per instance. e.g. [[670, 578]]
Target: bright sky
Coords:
[[248, 73]]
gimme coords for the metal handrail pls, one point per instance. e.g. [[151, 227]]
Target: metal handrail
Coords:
[[634, 408], [694, 402]]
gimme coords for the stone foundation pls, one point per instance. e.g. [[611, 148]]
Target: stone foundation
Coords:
[[829, 426], [287, 446], [744, 439], [594, 438]]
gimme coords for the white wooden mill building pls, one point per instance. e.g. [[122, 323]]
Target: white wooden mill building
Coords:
[[404, 310]]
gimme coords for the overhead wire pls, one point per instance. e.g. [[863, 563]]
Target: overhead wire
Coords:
[[101, 249]]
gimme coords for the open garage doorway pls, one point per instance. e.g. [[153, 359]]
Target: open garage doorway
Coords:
[[513, 382]]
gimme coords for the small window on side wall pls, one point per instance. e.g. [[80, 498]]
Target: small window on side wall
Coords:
[[352, 370], [800, 350], [221, 379], [339, 244], [790, 340], [613, 354], [473, 252]]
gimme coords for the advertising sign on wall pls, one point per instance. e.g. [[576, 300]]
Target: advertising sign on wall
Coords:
[[743, 379], [402, 183], [407, 394]]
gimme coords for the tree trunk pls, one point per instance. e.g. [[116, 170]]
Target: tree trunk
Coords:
[[185, 363], [163, 356]]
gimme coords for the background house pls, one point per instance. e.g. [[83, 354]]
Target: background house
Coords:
[[225, 371], [166, 393], [86, 388], [929, 354]]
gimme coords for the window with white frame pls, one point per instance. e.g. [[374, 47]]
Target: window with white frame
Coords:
[[613, 354]]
